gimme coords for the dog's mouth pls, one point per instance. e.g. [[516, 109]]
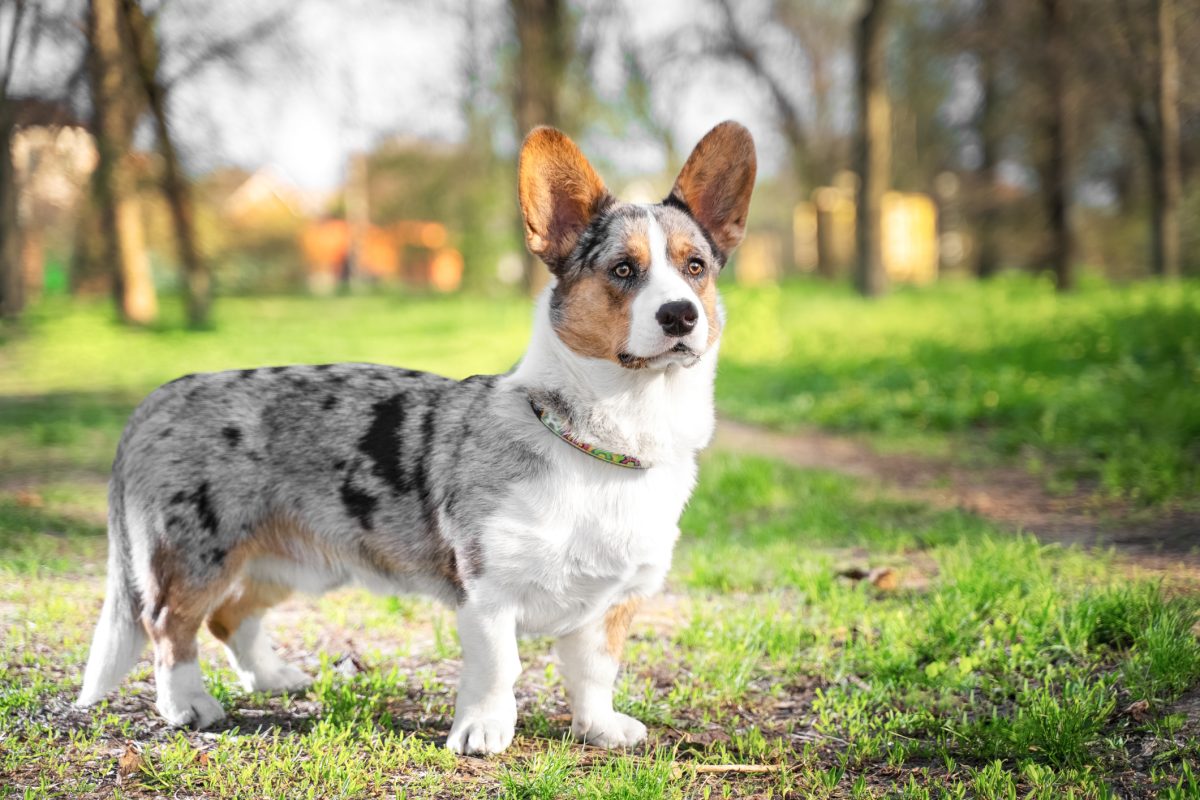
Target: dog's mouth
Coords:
[[680, 353]]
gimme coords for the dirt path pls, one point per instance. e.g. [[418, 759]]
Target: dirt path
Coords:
[[1165, 541]]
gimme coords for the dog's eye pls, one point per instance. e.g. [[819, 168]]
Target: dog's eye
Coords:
[[695, 266], [623, 270]]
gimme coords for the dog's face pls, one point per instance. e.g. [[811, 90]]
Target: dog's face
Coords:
[[636, 283]]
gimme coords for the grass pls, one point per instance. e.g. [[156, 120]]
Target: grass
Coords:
[[988, 665]]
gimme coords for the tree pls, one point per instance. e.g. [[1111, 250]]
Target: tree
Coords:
[[816, 36], [1054, 64], [1138, 50], [545, 46], [12, 296], [117, 103], [197, 281], [990, 135], [873, 152]]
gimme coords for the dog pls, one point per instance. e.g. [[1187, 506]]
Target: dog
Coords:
[[544, 501]]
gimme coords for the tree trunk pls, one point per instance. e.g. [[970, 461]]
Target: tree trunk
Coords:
[[1056, 167], [116, 105], [874, 149], [990, 135], [12, 289], [1167, 174], [543, 52], [197, 280], [12, 295]]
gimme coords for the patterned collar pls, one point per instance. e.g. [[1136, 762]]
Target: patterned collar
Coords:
[[559, 426]]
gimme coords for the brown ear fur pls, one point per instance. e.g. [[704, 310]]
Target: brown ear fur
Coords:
[[559, 193], [716, 182]]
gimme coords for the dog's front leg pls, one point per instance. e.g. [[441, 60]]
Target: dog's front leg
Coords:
[[590, 658], [486, 712]]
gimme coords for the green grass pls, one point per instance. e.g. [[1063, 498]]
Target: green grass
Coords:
[[997, 666], [1102, 386]]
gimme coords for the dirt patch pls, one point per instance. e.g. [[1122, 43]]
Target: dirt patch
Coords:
[[1162, 541]]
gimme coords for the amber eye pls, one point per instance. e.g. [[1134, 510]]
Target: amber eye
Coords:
[[695, 266], [623, 270]]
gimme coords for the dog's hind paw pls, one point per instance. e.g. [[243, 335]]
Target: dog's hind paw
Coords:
[[282, 678], [480, 737], [198, 711], [608, 731]]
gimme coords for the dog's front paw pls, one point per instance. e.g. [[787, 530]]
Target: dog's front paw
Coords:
[[480, 736], [608, 730]]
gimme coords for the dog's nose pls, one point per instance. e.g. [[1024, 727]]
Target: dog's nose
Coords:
[[677, 317]]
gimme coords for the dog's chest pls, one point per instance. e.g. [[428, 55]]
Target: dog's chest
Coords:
[[569, 547]]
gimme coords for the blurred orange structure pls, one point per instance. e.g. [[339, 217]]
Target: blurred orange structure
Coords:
[[413, 252]]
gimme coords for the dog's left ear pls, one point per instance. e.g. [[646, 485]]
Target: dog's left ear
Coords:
[[715, 184], [560, 193]]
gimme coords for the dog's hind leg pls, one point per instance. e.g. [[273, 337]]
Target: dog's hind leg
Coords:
[[238, 624], [173, 621]]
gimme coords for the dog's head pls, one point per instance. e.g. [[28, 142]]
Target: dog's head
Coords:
[[636, 283]]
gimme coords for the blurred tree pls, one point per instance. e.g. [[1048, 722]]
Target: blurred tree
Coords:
[[1134, 43], [117, 102], [1053, 64], [803, 89], [545, 46], [12, 295], [989, 43], [197, 280], [873, 155]]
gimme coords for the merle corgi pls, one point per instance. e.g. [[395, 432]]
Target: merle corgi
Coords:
[[544, 501]]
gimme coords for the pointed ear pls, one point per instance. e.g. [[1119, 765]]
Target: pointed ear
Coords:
[[559, 192], [714, 185]]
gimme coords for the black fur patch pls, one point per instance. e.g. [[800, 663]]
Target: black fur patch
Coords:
[[247, 373], [329, 403], [204, 509], [179, 497], [232, 435], [277, 370], [165, 433], [359, 504], [381, 442]]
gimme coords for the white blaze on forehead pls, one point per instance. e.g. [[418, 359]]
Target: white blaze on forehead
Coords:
[[663, 284]]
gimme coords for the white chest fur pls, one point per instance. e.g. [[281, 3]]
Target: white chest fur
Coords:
[[585, 534]]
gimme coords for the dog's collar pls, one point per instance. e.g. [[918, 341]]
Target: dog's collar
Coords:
[[558, 425]]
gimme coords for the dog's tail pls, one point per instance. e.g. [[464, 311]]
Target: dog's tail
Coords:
[[120, 637]]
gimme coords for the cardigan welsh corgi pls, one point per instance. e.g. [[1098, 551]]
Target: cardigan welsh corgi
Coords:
[[544, 501]]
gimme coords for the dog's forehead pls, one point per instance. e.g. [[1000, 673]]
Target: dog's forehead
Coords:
[[624, 229]]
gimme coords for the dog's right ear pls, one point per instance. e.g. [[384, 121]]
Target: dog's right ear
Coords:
[[559, 192]]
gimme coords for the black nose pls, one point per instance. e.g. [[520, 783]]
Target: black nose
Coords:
[[677, 317]]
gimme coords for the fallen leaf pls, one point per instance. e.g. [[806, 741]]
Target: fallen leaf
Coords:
[[1138, 711], [129, 762], [30, 499]]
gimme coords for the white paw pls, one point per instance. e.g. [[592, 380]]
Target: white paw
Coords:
[[283, 678], [480, 736], [608, 730], [197, 710]]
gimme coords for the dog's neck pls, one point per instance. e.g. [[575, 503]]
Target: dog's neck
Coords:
[[656, 415]]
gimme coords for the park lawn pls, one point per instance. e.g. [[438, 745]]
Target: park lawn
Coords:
[[1096, 390], [994, 666], [983, 665]]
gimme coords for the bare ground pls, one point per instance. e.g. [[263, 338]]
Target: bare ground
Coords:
[[1166, 541]]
